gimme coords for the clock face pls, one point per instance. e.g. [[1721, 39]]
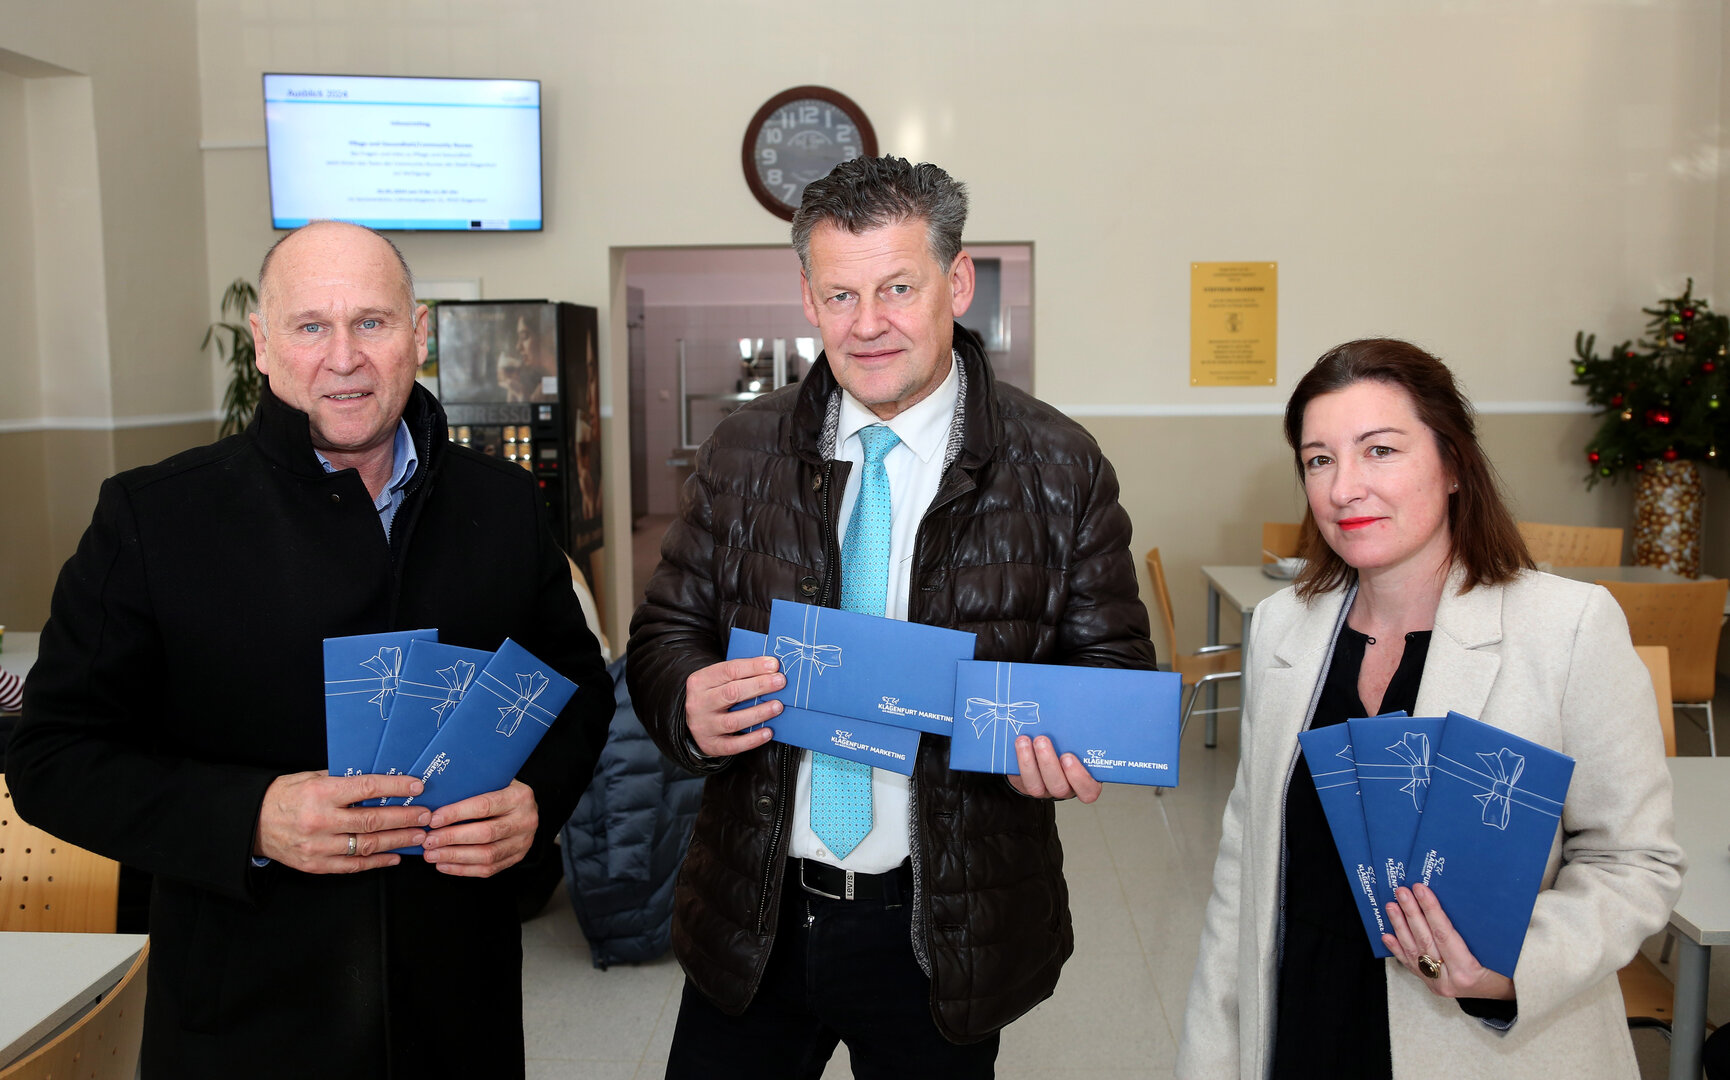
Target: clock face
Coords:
[[797, 137]]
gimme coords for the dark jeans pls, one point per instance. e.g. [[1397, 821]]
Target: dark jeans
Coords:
[[841, 970]]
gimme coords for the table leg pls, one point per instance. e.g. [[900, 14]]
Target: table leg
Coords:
[[1243, 665], [1212, 688], [1688, 1028]]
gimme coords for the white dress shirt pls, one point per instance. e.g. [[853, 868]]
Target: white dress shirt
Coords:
[[915, 468]]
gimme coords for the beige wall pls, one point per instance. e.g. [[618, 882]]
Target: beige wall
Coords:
[[140, 61], [23, 395], [103, 287], [24, 575], [1484, 178]]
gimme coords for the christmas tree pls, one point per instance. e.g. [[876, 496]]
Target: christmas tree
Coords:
[[1661, 398]]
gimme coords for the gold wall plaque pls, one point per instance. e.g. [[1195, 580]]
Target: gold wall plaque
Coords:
[[1233, 323]]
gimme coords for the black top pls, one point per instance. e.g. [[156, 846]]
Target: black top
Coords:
[[1331, 1012]]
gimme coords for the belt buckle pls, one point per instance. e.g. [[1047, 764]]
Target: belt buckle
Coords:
[[803, 884]]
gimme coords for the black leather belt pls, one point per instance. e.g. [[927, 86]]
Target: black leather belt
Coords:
[[834, 883]]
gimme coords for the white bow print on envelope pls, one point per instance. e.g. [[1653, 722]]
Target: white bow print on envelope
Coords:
[[999, 721], [803, 660]]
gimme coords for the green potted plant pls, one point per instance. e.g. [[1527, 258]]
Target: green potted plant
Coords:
[[234, 338], [1661, 401]]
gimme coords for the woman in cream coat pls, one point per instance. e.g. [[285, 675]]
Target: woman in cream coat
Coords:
[[1411, 537]]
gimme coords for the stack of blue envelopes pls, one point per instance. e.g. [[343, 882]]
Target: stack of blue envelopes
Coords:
[[463, 720], [1460, 806], [864, 687]]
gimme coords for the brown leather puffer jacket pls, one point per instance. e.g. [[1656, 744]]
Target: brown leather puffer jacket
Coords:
[[1024, 544]]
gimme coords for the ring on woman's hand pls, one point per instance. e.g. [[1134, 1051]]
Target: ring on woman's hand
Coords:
[[353, 846], [1430, 966]]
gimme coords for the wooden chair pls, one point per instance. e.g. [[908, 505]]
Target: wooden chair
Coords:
[[1648, 997], [1572, 545], [1657, 661], [1687, 618], [1209, 665], [103, 1044], [1284, 539], [48, 885]]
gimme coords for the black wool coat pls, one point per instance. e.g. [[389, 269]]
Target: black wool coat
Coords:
[[1024, 545], [181, 672]]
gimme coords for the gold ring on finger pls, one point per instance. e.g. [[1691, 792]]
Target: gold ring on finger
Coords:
[[1429, 966]]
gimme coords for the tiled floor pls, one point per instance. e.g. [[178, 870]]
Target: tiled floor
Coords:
[[1139, 870]]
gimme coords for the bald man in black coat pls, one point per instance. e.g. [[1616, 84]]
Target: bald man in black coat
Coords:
[[175, 718]]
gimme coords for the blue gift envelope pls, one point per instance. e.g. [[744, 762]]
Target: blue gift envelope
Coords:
[[1121, 723], [434, 679], [361, 674], [488, 735], [1393, 765], [878, 745], [743, 644], [1328, 754], [865, 667], [1494, 807]]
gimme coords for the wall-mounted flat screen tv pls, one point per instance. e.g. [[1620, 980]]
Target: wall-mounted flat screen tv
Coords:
[[404, 153]]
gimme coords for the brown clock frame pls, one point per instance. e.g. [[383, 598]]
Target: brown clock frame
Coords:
[[867, 138]]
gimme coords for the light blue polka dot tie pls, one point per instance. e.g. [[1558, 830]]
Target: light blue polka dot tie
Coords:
[[841, 789]]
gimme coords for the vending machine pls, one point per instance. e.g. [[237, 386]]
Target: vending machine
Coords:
[[519, 379]]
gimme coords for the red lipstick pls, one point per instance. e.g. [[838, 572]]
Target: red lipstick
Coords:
[[1350, 524]]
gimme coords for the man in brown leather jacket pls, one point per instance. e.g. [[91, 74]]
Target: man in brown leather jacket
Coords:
[[950, 918]]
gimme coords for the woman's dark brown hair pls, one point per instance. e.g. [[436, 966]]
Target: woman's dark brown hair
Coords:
[[1485, 540]]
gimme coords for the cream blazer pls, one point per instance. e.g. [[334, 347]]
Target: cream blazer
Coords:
[[1548, 659]]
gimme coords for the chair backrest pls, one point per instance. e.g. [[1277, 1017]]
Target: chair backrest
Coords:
[[1686, 617], [1572, 545], [1156, 573], [103, 1044], [1284, 539], [48, 885], [1657, 661]]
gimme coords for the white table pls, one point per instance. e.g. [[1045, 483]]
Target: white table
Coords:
[[1243, 587], [53, 978], [1701, 917]]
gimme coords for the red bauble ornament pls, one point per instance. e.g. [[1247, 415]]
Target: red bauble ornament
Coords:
[[1629, 354], [1662, 416], [1687, 313], [1708, 367], [1593, 456], [1670, 453], [1679, 337], [1639, 466], [1616, 401]]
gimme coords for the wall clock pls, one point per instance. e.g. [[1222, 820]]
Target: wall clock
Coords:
[[797, 137]]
